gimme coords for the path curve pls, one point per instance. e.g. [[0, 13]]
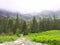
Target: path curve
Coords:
[[22, 41]]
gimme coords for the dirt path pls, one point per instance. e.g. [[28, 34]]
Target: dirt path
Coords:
[[22, 41]]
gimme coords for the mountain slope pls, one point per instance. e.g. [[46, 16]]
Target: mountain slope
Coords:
[[28, 16]]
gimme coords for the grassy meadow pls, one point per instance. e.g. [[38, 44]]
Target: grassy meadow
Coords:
[[6, 38], [51, 37]]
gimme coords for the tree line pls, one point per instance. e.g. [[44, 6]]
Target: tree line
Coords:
[[9, 26]]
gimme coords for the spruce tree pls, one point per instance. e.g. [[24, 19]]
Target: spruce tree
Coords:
[[34, 25], [17, 24], [24, 28], [10, 26]]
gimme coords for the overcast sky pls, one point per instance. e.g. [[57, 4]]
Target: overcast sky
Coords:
[[29, 6]]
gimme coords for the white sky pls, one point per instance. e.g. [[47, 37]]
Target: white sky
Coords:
[[29, 6]]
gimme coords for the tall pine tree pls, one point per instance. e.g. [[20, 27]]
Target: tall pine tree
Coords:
[[34, 25]]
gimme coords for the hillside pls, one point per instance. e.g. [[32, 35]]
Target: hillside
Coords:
[[45, 13]]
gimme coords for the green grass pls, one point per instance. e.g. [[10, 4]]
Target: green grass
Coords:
[[52, 37], [6, 38]]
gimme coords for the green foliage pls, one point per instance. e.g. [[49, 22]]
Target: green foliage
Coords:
[[55, 43], [51, 37], [9, 26], [34, 25], [16, 26], [6, 38], [18, 32], [24, 28]]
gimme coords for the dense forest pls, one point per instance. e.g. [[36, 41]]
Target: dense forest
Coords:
[[9, 26]]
